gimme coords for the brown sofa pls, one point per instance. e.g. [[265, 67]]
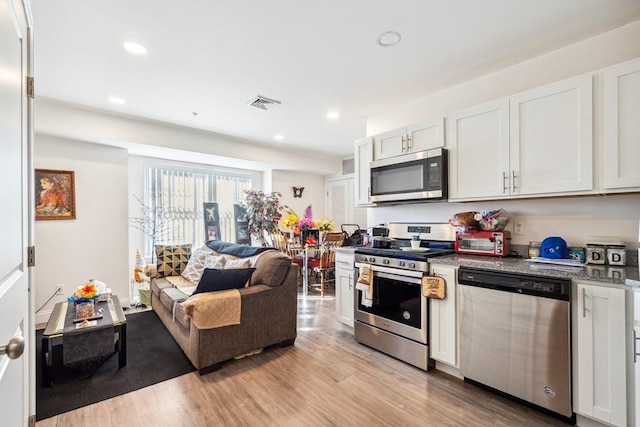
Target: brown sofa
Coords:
[[268, 314]]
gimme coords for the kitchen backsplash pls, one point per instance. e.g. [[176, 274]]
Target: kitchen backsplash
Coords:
[[572, 218]]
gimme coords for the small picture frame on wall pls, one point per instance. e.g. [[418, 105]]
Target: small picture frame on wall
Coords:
[[211, 221], [55, 194]]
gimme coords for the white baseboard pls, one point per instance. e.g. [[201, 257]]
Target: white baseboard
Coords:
[[447, 369]]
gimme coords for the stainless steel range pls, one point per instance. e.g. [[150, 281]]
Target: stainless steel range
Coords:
[[396, 319]]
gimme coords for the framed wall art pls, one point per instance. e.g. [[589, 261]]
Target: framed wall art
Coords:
[[55, 194], [211, 221]]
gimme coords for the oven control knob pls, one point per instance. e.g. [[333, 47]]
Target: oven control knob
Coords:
[[372, 259], [412, 265], [401, 263], [385, 261]]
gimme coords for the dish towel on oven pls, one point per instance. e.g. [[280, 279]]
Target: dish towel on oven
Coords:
[[365, 284]]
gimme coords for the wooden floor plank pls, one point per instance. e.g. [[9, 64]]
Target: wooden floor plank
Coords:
[[325, 379]]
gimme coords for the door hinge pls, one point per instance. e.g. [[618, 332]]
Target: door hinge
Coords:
[[31, 256], [31, 91], [32, 420]]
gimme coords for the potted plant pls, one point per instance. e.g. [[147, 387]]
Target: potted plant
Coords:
[[263, 213]]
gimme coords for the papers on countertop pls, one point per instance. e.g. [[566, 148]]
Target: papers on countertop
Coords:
[[563, 262]]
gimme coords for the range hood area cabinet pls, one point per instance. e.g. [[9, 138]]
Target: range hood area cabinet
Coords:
[[539, 142], [411, 139]]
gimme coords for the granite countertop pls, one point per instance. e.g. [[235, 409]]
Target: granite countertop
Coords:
[[626, 276]]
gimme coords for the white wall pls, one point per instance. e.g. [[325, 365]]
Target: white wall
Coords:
[[574, 218], [313, 193], [94, 245]]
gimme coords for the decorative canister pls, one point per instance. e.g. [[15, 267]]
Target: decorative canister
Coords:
[[616, 255], [595, 253], [577, 253], [534, 249], [84, 310]]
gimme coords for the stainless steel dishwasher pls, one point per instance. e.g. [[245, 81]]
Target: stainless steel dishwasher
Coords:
[[515, 337]]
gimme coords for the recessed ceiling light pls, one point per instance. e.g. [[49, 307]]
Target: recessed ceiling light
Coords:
[[333, 115], [134, 47], [389, 38], [278, 137], [116, 100]]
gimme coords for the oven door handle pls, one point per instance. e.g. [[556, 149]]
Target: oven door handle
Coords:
[[400, 278]]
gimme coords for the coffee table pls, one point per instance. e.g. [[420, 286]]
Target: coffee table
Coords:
[[82, 343]]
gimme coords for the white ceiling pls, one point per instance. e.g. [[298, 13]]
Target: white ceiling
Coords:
[[213, 57]]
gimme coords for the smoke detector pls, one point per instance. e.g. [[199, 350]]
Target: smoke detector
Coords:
[[263, 103]]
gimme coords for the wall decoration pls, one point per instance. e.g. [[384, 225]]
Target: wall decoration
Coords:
[[211, 221], [55, 194], [241, 225], [297, 192]]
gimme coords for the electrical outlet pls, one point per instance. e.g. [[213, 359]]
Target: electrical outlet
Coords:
[[518, 228], [59, 289]]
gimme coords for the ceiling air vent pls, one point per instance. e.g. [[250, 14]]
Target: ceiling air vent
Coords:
[[263, 103]]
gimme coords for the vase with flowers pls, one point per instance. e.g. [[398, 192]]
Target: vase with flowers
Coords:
[[84, 299]]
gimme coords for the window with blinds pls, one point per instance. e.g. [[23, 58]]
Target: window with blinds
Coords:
[[175, 195]]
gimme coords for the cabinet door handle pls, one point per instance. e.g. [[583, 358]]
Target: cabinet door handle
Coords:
[[584, 302], [409, 145], [635, 348], [350, 282], [403, 144], [505, 182], [513, 175]]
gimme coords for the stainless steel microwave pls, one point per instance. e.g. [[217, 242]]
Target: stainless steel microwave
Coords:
[[417, 177]]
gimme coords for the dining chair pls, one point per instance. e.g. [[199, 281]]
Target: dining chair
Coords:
[[325, 263]]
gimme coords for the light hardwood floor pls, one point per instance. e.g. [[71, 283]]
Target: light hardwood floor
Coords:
[[325, 379]]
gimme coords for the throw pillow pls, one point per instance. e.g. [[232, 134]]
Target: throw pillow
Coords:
[[195, 266], [237, 263], [217, 279], [213, 261], [172, 260]]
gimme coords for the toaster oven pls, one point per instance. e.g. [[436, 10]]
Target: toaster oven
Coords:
[[492, 243]]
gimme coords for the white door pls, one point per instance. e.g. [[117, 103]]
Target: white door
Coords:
[[337, 203], [15, 374]]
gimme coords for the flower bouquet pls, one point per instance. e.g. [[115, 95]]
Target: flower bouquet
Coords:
[[84, 299]]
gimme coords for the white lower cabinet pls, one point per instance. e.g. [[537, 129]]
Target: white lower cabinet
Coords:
[[344, 288], [443, 324], [600, 354]]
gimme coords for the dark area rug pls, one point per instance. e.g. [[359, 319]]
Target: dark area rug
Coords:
[[153, 356]]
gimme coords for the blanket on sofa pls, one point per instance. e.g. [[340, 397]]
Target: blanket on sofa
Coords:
[[182, 284], [210, 310], [241, 251]]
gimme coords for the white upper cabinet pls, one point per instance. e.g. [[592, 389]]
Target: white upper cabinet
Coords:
[[363, 156], [622, 126], [479, 151], [551, 138], [537, 143], [414, 138]]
